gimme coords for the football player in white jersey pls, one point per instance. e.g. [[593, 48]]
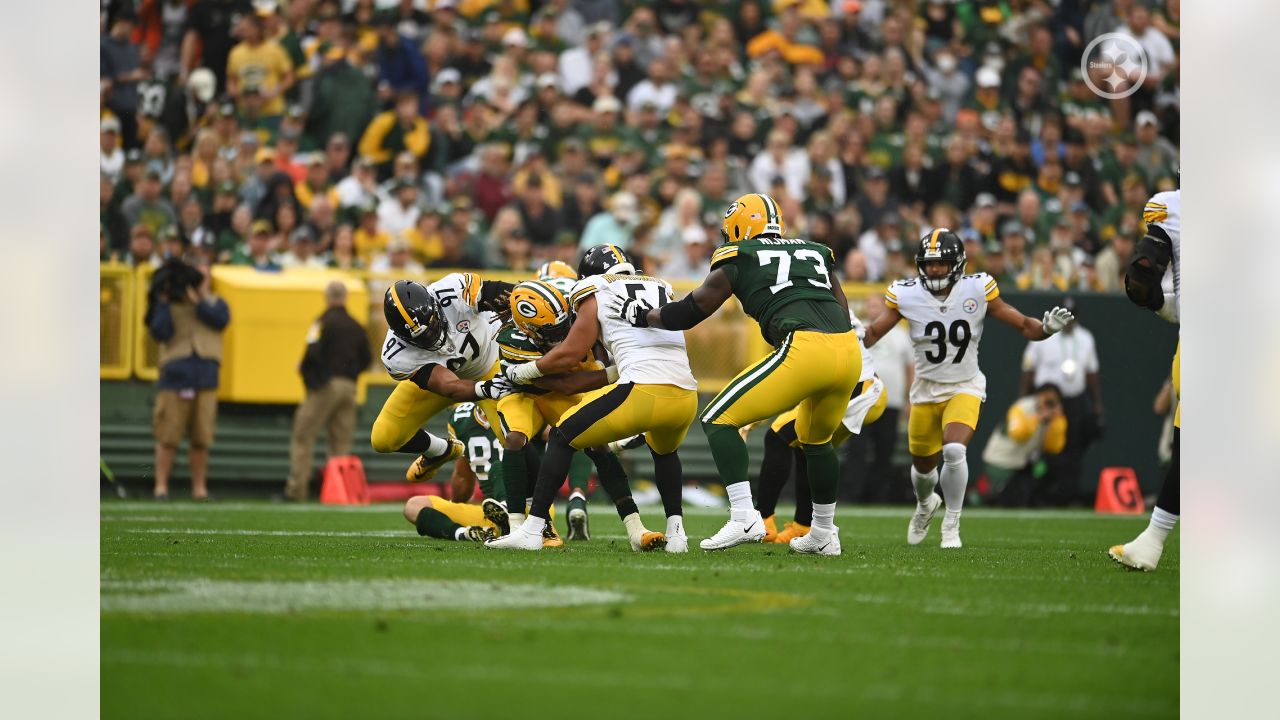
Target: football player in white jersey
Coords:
[[655, 394], [1158, 258], [441, 346], [945, 310]]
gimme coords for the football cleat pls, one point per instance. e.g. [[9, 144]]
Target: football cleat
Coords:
[[424, 469], [951, 530], [677, 543], [918, 528], [736, 532], [791, 531], [551, 538], [618, 446], [770, 529], [480, 533], [1141, 553], [578, 529], [817, 542], [496, 513], [650, 541], [518, 540]]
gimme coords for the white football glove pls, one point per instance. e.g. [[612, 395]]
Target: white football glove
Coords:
[[494, 388], [629, 310], [611, 374], [1056, 319], [524, 373]]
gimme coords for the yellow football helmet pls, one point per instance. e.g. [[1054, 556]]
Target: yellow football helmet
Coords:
[[540, 311], [556, 269], [752, 215]]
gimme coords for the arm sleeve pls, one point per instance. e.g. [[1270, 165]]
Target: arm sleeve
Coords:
[[215, 314]]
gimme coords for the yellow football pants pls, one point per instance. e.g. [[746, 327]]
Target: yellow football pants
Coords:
[[842, 433], [811, 371], [924, 428], [1177, 384], [409, 407], [527, 414], [464, 514], [663, 413]]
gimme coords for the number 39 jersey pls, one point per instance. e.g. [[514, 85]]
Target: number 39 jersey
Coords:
[[469, 350], [784, 284], [646, 355], [945, 331]]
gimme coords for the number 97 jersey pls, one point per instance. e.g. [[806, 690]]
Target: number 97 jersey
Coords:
[[945, 331]]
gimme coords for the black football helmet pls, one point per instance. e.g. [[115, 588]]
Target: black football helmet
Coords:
[[944, 245], [414, 315], [603, 259]]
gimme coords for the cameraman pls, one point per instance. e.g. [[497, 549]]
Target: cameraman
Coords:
[[187, 320]]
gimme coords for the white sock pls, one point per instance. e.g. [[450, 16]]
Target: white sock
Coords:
[[533, 525], [954, 477], [577, 494], [1161, 523], [460, 534], [924, 483], [740, 505], [436, 446], [635, 528], [515, 520], [824, 516], [675, 525]]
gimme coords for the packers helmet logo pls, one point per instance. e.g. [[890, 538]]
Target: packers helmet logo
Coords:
[[526, 309], [733, 208]]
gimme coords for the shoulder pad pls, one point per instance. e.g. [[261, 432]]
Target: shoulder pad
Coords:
[[585, 288], [724, 254]]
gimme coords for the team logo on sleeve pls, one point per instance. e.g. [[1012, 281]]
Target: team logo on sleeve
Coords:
[[970, 305]]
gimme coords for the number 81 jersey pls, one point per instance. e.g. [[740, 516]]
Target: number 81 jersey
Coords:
[[945, 331]]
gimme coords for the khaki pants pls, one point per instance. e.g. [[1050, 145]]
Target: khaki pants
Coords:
[[333, 407]]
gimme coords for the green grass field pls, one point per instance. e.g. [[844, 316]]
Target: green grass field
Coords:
[[241, 610]]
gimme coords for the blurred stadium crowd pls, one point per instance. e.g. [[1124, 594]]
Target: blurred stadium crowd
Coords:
[[395, 135]]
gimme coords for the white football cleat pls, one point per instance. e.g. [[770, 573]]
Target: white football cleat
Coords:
[[951, 530], [677, 541], [578, 527], [517, 539], [1142, 553], [736, 532], [918, 529], [817, 542]]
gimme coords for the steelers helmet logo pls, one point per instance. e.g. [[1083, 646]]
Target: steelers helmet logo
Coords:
[[526, 309], [733, 208]]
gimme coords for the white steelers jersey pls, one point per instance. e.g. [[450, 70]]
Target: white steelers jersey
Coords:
[[1165, 209], [945, 331], [470, 349], [643, 355], [868, 365]]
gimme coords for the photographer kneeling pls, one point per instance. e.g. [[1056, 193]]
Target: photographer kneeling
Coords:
[[187, 320]]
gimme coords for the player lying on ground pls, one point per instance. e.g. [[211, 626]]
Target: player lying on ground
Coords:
[[1158, 259], [459, 519], [655, 394], [440, 347], [786, 286], [945, 310]]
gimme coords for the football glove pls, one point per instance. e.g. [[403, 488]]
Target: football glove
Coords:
[[494, 388], [1055, 320], [523, 373], [630, 311]]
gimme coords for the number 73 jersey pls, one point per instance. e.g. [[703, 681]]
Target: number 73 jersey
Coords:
[[945, 331]]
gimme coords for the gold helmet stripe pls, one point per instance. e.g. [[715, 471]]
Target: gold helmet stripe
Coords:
[[618, 253], [395, 298], [933, 240]]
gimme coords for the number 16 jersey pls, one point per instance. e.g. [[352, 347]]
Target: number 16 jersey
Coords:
[[945, 332]]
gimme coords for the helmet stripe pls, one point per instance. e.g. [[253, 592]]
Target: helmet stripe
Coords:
[[395, 297], [933, 240], [550, 295], [618, 253], [769, 209]]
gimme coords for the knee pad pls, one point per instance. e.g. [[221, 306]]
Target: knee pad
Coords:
[[953, 453]]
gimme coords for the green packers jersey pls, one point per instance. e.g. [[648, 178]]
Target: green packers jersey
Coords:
[[784, 284], [469, 426], [514, 347]]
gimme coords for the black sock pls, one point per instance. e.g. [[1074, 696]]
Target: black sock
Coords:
[[417, 444], [515, 477], [626, 506], [804, 502], [1169, 499], [555, 465], [613, 478], [775, 470], [668, 475], [433, 523]]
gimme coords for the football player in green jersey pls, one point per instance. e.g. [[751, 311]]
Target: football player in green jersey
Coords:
[[785, 284], [459, 519]]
